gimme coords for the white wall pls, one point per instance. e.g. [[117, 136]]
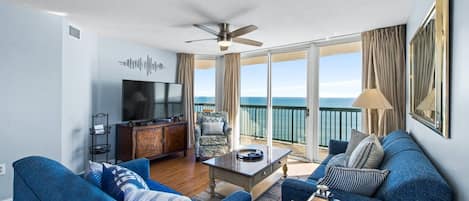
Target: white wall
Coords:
[[107, 85], [449, 155], [30, 84], [79, 58], [52, 83]]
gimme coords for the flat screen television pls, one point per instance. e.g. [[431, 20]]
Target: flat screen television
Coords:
[[143, 100]]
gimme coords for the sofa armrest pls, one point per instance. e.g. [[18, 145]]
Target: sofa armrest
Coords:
[[238, 196], [337, 147], [297, 190], [140, 166]]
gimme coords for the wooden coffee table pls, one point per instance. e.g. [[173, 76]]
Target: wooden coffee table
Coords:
[[247, 174]]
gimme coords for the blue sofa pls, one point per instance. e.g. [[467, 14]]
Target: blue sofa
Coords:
[[412, 176], [38, 179]]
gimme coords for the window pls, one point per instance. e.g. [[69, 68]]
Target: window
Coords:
[[340, 83], [204, 85]]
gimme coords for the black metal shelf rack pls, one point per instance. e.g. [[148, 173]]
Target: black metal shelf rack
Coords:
[[100, 131]]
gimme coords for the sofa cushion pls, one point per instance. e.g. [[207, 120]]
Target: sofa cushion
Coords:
[[117, 181], [355, 138], [412, 176], [213, 140], [360, 181], [149, 195], [368, 154], [320, 170], [94, 173]]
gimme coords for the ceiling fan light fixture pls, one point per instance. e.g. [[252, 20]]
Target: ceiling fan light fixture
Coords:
[[224, 43]]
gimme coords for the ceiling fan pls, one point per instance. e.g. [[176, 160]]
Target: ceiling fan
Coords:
[[224, 37]]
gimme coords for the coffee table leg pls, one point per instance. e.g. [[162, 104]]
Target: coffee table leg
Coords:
[[212, 182], [285, 169]]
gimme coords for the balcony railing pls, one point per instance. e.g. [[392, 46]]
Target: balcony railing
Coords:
[[289, 122]]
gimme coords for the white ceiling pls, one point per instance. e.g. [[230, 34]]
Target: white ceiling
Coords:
[[167, 24]]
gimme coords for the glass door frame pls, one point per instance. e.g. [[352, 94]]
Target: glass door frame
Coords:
[[312, 97]]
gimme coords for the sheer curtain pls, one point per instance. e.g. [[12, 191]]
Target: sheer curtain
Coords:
[[384, 68], [185, 76], [231, 93]]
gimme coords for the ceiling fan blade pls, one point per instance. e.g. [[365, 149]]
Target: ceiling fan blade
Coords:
[[247, 41], [191, 41], [243, 30], [223, 48], [205, 28]]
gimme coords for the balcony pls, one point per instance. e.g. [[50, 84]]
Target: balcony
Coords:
[[289, 124]]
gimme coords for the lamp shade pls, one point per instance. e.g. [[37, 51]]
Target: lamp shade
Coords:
[[372, 99], [428, 103]]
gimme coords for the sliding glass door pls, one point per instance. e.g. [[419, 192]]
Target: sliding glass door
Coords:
[[340, 83], [289, 107], [253, 107], [273, 88]]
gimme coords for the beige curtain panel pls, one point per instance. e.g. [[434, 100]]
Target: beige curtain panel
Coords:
[[423, 47], [231, 91], [384, 68], [185, 76]]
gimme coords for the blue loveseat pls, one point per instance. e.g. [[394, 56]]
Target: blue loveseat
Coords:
[[412, 176], [38, 179]]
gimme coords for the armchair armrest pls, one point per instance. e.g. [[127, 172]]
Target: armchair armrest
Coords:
[[197, 130], [227, 130], [238, 196], [337, 147], [294, 189], [140, 166]]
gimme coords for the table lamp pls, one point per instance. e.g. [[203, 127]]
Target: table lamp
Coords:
[[373, 99]]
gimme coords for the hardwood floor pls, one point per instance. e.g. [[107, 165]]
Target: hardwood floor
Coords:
[[183, 174], [190, 178]]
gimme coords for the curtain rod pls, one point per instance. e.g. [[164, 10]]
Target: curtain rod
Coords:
[[328, 40]]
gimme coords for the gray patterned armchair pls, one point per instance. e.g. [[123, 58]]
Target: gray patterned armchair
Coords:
[[212, 134]]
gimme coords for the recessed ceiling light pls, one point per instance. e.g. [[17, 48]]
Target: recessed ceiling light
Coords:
[[57, 13]]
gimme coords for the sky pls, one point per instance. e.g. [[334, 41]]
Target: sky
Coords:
[[340, 76]]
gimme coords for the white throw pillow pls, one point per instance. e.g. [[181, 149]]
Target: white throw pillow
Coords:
[[368, 154], [355, 138], [149, 195]]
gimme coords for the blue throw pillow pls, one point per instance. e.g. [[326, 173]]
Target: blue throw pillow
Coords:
[[117, 181], [94, 173]]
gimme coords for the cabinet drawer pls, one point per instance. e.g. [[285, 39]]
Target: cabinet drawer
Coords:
[[175, 138], [262, 174], [148, 142]]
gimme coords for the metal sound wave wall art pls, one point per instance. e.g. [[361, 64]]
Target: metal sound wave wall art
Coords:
[[140, 64]]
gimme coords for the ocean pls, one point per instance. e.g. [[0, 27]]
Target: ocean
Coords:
[[337, 118], [284, 101]]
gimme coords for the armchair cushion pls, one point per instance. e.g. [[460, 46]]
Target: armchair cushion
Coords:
[[211, 140], [212, 151]]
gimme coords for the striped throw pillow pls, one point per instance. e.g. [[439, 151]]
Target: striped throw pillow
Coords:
[[368, 154], [149, 195], [360, 181]]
